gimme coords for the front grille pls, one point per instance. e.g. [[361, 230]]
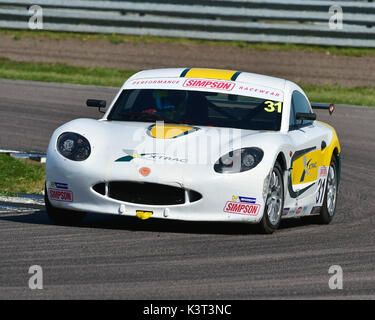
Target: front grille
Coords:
[[100, 188], [146, 193]]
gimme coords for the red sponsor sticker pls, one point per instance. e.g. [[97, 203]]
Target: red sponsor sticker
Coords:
[[248, 209], [260, 90], [61, 195], [209, 84], [145, 171], [155, 81], [323, 171]]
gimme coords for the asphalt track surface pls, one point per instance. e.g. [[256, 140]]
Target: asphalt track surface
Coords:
[[112, 257]]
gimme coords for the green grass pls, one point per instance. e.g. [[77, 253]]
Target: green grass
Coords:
[[117, 39], [20, 176], [63, 73], [360, 96]]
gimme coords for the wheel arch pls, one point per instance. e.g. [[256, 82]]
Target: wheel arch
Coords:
[[337, 155], [284, 167], [282, 161]]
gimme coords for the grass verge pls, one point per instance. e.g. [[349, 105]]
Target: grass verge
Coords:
[[20, 176], [357, 96], [118, 38], [63, 73]]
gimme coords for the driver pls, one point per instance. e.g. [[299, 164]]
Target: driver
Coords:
[[171, 104]]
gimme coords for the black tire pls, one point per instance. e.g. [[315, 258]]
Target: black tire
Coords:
[[60, 216], [328, 209], [267, 226]]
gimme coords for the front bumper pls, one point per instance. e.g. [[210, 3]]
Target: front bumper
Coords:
[[220, 193]]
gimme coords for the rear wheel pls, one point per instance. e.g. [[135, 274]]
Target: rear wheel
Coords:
[[61, 216], [330, 198], [274, 202]]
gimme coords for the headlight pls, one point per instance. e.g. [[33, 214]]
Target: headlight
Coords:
[[73, 146], [239, 160]]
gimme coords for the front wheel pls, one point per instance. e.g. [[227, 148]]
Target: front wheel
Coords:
[[60, 216], [274, 202]]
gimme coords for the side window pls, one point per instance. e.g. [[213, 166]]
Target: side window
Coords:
[[299, 104], [292, 118]]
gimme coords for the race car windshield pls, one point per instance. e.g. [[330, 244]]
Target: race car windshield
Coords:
[[197, 108]]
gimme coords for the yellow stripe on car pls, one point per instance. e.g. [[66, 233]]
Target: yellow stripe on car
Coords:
[[210, 74], [306, 167], [169, 131]]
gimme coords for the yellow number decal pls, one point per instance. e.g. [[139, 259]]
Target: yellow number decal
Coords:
[[279, 106], [271, 106]]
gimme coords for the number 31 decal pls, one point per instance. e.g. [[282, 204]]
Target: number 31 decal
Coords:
[[272, 106], [320, 193]]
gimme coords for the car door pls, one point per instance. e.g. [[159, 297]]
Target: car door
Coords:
[[308, 140]]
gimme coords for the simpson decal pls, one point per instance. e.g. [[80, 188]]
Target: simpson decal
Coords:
[[209, 84], [61, 195], [243, 208]]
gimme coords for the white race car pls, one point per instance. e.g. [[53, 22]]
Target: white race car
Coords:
[[198, 145]]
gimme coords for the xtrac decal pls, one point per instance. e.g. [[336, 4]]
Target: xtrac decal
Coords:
[[297, 154], [242, 205], [307, 166], [131, 155], [60, 195]]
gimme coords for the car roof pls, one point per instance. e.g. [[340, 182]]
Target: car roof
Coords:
[[220, 74]]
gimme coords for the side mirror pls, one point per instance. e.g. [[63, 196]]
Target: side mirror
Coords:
[[305, 116], [329, 107], [96, 104]]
